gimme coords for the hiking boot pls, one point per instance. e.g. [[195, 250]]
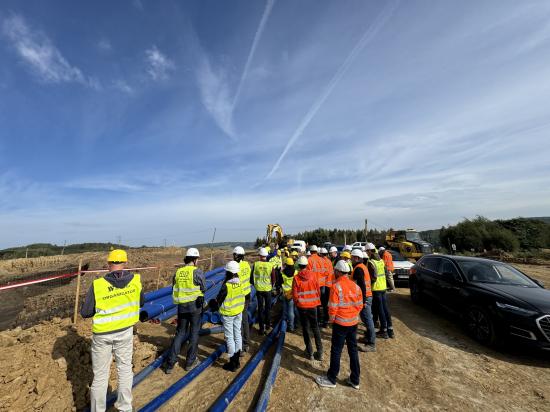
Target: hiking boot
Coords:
[[191, 365], [238, 360], [168, 369], [391, 334], [382, 335], [318, 356], [370, 348], [324, 382], [231, 365], [353, 385]]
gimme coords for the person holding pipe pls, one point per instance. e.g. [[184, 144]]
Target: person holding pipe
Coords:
[[113, 301], [244, 276], [188, 294], [230, 303], [345, 304]]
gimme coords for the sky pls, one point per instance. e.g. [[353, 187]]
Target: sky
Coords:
[[154, 121]]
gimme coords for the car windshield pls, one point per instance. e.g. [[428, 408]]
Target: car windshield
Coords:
[[489, 272], [396, 256], [413, 236]]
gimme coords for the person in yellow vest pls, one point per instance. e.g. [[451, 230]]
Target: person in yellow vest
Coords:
[[113, 302], [379, 298], [263, 279], [230, 303], [285, 282], [244, 276], [188, 294]]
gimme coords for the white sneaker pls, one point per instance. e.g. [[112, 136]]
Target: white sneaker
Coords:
[[353, 385], [324, 382]]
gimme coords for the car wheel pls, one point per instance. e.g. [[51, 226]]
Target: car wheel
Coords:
[[416, 295], [480, 325]]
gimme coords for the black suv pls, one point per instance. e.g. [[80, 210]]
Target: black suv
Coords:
[[494, 299]]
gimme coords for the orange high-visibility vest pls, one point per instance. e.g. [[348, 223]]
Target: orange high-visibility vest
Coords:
[[316, 264], [330, 272], [305, 292], [388, 260], [366, 275], [345, 302]]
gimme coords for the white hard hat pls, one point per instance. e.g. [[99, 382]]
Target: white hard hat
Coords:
[[357, 253], [323, 250], [341, 266], [370, 246], [382, 248], [192, 252], [232, 267], [347, 247], [365, 255], [263, 251], [313, 248], [238, 250], [308, 253], [302, 261], [333, 249]]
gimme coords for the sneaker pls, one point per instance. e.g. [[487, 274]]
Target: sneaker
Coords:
[[324, 382], [353, 385], [309, 356], [168, 369], [382, 335], [361, 348], [391, 334], [370, 348], [192, 364], [318, 356]]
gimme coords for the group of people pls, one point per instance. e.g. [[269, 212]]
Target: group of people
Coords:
[[317, 288]]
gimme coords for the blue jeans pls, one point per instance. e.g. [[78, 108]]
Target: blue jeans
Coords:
[[382, 309], [289, 312], [188, 328], [344, 335], [232, 333], [366, 318]]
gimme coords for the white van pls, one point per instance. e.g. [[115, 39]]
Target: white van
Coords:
[[299, 245]]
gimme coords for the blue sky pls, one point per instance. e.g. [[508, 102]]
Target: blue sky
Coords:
[[151, 120]]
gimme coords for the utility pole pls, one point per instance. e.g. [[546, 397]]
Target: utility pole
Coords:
[[366, 231], [165, 243], [212, 249], [63, 250], [119, 239], [26, 253]]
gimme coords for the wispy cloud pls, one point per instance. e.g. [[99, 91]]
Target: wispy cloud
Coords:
[[40, 55], [265, 16], [367, 36], [158, 64], [104, 45], [123, 86], [215, 95]]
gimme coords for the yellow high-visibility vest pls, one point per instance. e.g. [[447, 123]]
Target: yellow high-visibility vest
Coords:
[[233, 304], [185, 290], [116, 308], [244, 276], [380, 284], [262, 276], [287, 281]]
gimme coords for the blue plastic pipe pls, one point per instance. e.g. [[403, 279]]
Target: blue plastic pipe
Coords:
[[233, 389], [183, 382], [261, 406]]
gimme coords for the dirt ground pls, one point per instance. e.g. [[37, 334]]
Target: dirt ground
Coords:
[[431, 365]]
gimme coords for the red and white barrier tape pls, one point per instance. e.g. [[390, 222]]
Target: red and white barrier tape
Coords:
[[63, 276]]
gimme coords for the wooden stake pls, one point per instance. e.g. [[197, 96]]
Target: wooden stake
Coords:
[[77, 291], [158, 279]]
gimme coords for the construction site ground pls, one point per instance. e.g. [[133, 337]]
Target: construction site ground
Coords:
[[431, 365]]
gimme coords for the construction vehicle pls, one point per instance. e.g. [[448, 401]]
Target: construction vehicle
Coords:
[[408, 243], [274, 234]]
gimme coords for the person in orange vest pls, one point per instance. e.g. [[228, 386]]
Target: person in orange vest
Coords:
[[388, 262], [317, 265], [361, 276], [345, 304], [307, 297], [329, 279]]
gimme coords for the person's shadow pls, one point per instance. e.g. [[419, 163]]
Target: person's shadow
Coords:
[[72, 352]]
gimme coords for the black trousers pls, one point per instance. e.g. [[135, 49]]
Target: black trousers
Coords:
[[344, 335], [245, 327], [264, 309], [308, 319], [189, 325]]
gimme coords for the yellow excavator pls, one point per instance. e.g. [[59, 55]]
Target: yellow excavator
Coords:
[[408, 243], [274, 234]]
